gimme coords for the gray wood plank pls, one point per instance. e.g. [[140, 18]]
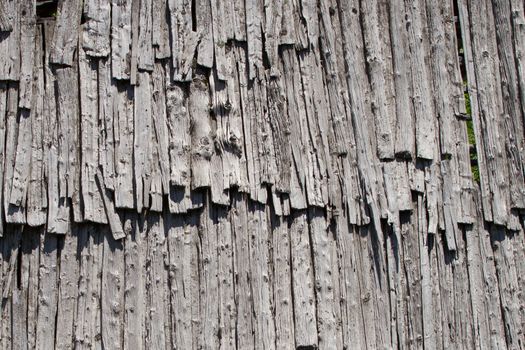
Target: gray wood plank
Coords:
[[405, 143], [254, 23], [3, 117], [284, 318], [124, 129], [201, 143], [22, 165], [145, 52], [263, 303], [37, 194], [208, 277], [31, 247], [483, 74], [142, 126], [244, 295], [10, 43], [159, 330], [68, 288], [161, 29], [48, 302], [324, 258], [184, 40], [220, 24], [513, 114], [96, 28], [378, 63], [5, 20], [134, 295], [425, 114], [112, 295], [226, 277], [205, 49], [66, 33], [112, 216], [351, 307], [15, 174], [28, 31], [107, 94], [161, 131], [183, 245], [91, 196], [121, 39], [58, 208], [303, 283]]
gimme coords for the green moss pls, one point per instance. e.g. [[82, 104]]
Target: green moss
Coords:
[[467, 104], [470, 132], [472, 140]]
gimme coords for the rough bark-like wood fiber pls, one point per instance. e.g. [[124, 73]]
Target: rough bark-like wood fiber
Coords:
[[255, 174]]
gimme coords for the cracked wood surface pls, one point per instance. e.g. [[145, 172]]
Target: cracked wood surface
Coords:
[[254, 174]]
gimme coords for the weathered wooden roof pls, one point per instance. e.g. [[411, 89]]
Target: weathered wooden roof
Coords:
[[120, 106], [312, 113]]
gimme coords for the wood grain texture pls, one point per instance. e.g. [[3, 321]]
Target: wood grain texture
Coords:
[[96, 30], [66, 33], [121, 39], [254, 174], [5, 21], [10, 41]]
